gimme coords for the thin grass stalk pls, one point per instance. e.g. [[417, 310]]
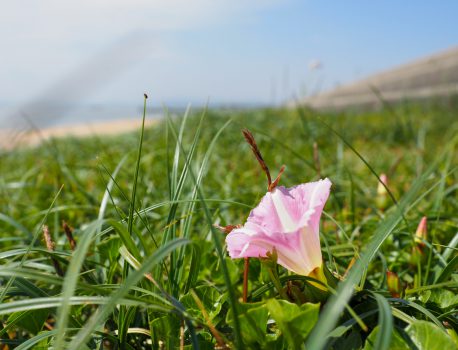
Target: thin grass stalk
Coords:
[[219, 251]]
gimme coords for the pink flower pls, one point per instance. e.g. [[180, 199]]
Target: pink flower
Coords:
[[288, 220]]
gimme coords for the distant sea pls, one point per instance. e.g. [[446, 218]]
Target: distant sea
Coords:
[[47, 116]]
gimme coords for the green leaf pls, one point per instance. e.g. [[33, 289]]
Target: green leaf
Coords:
[[32, 320], [126, 238], [385, 320], [28, 288], [109, 248], [38, 342], [134, 277], [352, 342], [71, 280], [397, 342], [427, 336], [420, 308], [211, 298], [448, 270], [16, 225], [253, 322], [452, 333], [450, 247], [161, 328], [294, 321], [219, 250], [441, 297], [337, 302]]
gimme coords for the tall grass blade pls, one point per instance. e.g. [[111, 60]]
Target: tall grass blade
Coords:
[[336, 303], [385, 322], [219, 251], [134, 277], [448, 270], [70, 282], [31, 244]]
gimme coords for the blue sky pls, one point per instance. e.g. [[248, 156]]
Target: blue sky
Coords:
[[110, 52]]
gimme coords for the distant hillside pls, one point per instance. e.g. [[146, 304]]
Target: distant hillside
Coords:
[[435, 75]]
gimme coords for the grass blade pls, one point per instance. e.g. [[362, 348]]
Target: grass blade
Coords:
[[133, 278], [70, 282], [336, 303], [219, 250], [385, 322]]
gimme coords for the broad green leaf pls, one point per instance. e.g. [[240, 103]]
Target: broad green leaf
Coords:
[[253, 322], [32, 320], [211, 298], [427, 336], [294, 321], [452, 333], [397, 342], [441, 297]]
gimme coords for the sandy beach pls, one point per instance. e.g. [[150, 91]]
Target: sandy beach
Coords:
[[26, 138]]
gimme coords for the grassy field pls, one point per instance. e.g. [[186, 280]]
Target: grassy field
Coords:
[[139, 265]]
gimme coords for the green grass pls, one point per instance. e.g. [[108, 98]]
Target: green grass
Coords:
[[149, 268]]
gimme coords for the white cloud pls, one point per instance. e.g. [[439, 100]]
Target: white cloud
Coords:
[[66, 51], [41, 40], [86, 20]]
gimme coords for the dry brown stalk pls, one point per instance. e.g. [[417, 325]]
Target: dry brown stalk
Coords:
[[254, 147], [50, 246], [69, 233], [226, 229]]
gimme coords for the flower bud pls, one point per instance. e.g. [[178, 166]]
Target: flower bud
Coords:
[[421, 233], [382, 193], [420, 237], [381, 190], [394, 284]]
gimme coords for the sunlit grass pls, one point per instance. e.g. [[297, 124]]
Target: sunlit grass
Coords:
[[149, 268]]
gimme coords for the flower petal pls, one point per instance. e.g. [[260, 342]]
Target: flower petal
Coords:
[[286, 209], [316, 194], [296, 251], [286, 220]]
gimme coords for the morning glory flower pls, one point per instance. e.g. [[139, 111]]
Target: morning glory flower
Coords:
[[286, 220]]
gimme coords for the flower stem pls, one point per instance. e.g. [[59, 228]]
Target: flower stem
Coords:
[[245, 279], [276, 281]]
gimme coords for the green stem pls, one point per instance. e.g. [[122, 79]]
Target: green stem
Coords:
[[276, 281]]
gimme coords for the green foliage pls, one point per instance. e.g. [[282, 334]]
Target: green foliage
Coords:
[[427, 336], [253, 323], [294, 322], [149, 268], [396, 343], [32, 321], [442, 298]]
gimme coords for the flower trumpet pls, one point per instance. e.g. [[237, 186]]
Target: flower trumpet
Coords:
[[286, 221]]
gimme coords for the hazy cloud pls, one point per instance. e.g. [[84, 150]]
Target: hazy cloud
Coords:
[[42, 40]]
